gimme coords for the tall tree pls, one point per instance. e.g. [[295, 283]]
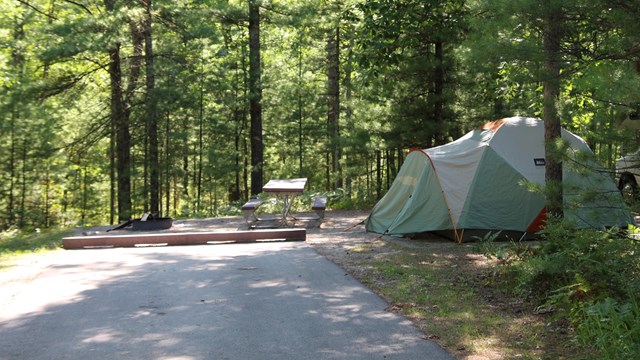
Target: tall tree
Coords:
[[120, 124], [333, 109], [553, 19], [255, 98], [550, 43], [408, 46], [122, 135], [151, 112], [18, 64]]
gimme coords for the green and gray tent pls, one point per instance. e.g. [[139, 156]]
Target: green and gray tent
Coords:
[[482, 183]]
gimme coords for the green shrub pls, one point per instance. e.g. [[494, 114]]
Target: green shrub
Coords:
[[587, 264], [612, 328], [589, 277]]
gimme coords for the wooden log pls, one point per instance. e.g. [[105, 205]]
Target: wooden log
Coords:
[[185, 238]]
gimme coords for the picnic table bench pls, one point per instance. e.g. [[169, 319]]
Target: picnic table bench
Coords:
[[249, 209], [318, 205]]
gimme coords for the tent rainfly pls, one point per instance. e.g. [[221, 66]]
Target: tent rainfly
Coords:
[[478, 184]]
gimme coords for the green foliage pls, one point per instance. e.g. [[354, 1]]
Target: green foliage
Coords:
[[396, 91], [14, 242], [611, 326], [406, 49], [604, 264], [340, 200], [590, 277], [491, 248]]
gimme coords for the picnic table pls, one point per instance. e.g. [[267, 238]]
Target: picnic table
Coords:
[[285, 191]]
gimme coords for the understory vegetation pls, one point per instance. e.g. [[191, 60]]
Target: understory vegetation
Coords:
[[587, 277]]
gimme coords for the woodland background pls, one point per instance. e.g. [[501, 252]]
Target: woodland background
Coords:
[[185, 108]]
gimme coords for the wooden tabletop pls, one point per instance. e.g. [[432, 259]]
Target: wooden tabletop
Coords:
[[285, 185]]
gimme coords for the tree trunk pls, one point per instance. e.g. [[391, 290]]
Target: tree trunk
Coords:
[[185, 158], [389, 160], [348, 112], [438, 103], [145, 167], [327, 170], [83, 201], [255, 98], [135, 66], [553, 167], [17, 63], [378, 174], [245, 124], [47, 188], [152, 112], [112, 174], [239, 122], [12, 170], [200, 138], [123, 136], [167, 175], [300, 110], [120, 122], [391, 167], [333, 105], [23, 190]]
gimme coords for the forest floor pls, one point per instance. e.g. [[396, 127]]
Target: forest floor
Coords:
[[446, 289]]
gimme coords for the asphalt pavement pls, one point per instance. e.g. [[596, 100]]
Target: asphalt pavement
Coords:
[[232, 301]]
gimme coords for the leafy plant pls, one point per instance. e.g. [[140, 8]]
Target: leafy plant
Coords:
[[589, 277], [612, 327]]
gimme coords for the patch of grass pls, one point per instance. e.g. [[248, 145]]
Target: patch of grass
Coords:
[[444, 289], [363, 248], [14, 243]]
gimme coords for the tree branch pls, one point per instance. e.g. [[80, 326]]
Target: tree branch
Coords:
[[27, 4], [84, 7], [60, 85]]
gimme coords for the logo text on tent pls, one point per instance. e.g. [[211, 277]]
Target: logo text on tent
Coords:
[[539, 162]]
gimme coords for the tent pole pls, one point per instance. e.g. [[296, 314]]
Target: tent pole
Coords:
[[522, 237]]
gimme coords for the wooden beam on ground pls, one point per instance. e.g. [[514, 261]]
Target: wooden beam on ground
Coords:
[[184, 238]]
